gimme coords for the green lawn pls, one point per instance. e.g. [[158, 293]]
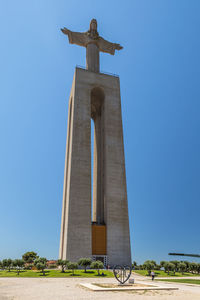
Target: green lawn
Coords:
[[163, 274], [55, 273], [192, 281]]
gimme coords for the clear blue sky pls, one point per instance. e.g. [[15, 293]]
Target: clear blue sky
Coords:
[[159, 70]]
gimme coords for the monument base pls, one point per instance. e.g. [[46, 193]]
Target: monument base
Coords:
[[110, 235]]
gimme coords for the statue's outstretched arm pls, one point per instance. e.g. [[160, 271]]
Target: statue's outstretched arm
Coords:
[[78, 38], [108, 47]]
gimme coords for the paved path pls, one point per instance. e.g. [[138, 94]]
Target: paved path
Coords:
[[175, 277], [68, 288], [167, 277]]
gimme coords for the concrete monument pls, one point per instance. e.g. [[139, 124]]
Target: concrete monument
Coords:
[[97, 225]]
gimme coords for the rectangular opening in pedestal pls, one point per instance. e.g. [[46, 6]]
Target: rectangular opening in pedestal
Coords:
[[92, 165], [98, 239], [97, 155]]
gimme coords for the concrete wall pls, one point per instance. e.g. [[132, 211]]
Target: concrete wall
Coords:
[[76, 215]]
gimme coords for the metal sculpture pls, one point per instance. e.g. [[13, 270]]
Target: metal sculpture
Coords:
[[122, 273]]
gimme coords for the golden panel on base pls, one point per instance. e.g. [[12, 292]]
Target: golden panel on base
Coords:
[[98, 239]]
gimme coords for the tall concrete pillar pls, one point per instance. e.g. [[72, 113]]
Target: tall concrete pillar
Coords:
[[105, 234]]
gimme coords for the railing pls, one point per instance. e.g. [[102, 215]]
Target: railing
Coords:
[[102, 72]]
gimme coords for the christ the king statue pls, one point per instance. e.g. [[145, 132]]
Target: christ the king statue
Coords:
[[93, 43]]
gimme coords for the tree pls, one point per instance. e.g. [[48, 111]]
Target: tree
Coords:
[[149, 265], [18, 263], [162, 263], [176, 263], [41, 264], [134, 265], [193, 267], [72, 266], [84, 262], [28, 266], [198, 268], [182, 267], [171, 267], [157, 267], [153, 263], [63, 264], [4, 263], [7, 263], [29, 257], [1, 265], [166, 267], [187, 264], [140, 267], [97, 265]]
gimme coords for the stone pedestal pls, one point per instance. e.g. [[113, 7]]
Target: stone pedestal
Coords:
[[97, 96]]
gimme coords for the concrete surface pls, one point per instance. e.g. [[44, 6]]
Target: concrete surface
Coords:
[[69, 288]]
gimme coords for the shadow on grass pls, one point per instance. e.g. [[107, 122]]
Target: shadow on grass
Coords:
[[168, 275], [45, 274], [96, 275], [66, 272], [14, 271], [88, 272]]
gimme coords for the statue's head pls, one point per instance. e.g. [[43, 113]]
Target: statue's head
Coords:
[[93, 25]]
